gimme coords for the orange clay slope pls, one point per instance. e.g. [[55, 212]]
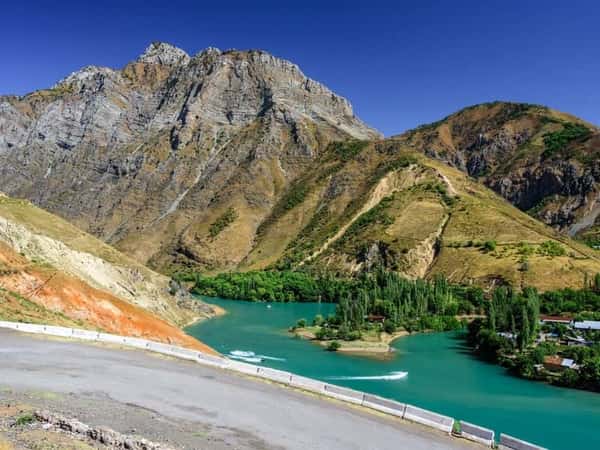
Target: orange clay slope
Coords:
[[59, 298]]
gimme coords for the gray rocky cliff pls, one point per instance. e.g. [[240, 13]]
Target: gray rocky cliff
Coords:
[[147, 155]]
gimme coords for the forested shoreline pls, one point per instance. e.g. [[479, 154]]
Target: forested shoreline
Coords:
[[505, 330], [513, 336], [375, 301]]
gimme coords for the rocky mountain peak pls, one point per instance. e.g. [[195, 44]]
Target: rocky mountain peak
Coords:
[[210, 51], [170, 137], [84, 74], [163, 53]]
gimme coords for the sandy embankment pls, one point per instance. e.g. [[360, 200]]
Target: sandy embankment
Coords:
[[373, 345]]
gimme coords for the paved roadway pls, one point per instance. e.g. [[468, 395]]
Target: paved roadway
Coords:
[[277, 416]]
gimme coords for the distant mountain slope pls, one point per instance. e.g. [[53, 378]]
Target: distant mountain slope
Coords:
[[381, 203], [139, 156], [50, 270], [542, 161]]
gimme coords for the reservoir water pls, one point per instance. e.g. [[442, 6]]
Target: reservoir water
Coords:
[[442, 375]]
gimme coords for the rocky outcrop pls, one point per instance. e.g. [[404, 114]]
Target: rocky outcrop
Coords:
[[103, 436], [140, 156]]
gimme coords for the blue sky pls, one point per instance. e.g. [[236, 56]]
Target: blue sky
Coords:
[[400, 63]]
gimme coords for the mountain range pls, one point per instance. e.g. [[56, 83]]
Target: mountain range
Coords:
[[235, 160]]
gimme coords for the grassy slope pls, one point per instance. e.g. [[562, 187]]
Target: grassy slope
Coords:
[[47, 224], [84, 256], [423, 198], [32, 290], [39, 293]]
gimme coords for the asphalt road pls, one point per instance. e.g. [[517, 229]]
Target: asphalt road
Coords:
[[274, 416]]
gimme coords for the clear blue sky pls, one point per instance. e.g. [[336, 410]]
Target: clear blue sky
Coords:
[[400, 63]]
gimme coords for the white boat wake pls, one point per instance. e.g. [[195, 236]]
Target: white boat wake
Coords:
[[392, 376], [251, 356], [247, 359]]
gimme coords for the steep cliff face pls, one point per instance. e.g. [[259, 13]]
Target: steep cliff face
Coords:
[[144, 156], [542, 161]]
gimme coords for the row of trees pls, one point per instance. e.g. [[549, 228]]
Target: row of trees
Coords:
[[411, 304], [518, 314], [273, 286], [574, 301]]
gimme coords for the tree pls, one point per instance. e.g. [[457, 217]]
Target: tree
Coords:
[[524, 336], [333, 346], [590, 372]]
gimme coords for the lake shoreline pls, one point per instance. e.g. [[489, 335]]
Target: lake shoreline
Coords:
[[356, 347]]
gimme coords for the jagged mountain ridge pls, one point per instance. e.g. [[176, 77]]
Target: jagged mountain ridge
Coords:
[[136, 154]]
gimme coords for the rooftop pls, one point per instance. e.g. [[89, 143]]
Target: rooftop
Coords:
[[587, 325]]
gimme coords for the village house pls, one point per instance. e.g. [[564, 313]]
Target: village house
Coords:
[[557, 363], [565, 320], [587, 325]]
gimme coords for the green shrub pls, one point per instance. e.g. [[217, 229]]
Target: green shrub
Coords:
[[333, 346], [558, 140], [25, 419], [389, 326], [551, 248], [347, 150], [295, 196], [353, 335], [226, 219], [525, 249], [489, 246]]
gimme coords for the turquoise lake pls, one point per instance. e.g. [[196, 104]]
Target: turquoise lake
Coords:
[[442, 374]]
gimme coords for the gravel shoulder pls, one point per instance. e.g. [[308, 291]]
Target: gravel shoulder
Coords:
[[189, 406]]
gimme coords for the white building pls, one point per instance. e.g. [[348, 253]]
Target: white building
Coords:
[[587, 325]]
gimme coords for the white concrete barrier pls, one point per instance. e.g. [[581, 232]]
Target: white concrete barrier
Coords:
[[345, 394], [216, 361], [308, 384], [85, 334], [30, 328], [275, 375], [10, 325], [476, 433], [511, 443], [244, 368], [136, 343], [171, 350], [431, 419], [384, 405], [184, 353], [159, 347], [57, 331], [111, 338]]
